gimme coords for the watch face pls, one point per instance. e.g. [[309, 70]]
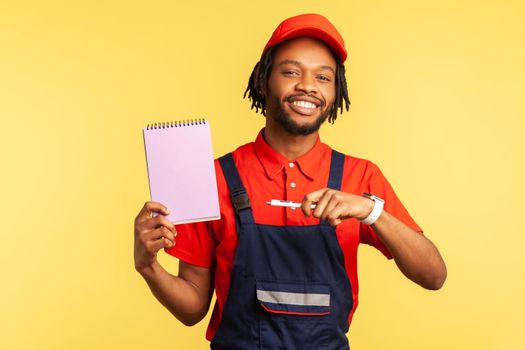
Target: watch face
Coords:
[[372, 197]]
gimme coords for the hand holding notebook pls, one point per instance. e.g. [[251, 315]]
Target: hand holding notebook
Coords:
[[181, 170]]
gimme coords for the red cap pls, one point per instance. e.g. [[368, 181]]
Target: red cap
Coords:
[[310, 25]]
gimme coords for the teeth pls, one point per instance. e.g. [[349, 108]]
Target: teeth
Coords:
[[304, 104]]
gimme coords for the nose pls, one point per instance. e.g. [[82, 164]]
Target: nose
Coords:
[[307, 84]]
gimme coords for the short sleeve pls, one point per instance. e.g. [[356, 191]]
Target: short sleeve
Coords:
[[379, 186], [194, 244]]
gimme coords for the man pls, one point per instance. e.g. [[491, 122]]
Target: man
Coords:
[[286, 278]]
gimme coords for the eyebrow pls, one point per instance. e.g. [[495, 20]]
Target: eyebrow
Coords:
[[297, 63]]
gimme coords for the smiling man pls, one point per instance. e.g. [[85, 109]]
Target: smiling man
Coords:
[[285, 274], [287, 100]]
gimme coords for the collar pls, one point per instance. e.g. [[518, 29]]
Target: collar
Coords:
[[273, 162]]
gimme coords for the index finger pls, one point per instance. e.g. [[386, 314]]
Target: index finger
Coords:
[[311, 198], [149, 209]]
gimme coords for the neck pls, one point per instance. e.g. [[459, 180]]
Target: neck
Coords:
[[290, 146]]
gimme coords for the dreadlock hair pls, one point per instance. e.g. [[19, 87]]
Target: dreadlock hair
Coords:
[[261, 73]]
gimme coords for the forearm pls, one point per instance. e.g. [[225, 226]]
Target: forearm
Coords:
[[179, 296], [415, 255]]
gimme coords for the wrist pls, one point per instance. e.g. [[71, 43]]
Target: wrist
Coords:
[[377, 209], [368, 206]]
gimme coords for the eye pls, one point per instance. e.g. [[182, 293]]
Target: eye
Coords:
[[324, 78], [290, 73]]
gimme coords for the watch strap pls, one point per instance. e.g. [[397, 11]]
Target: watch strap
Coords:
[[376, 212]]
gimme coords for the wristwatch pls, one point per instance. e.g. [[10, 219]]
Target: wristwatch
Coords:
[[378, 209]]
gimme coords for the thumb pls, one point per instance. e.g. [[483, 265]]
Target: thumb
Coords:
[[311, 198]]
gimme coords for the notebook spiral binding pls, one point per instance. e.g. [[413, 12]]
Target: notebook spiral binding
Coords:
[[176, 124]]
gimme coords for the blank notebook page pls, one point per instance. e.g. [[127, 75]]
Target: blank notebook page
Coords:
[[181, 170]]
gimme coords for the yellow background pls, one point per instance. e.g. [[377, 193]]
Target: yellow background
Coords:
[[437, 91]]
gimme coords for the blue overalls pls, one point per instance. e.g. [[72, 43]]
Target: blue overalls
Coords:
[[289, 288]]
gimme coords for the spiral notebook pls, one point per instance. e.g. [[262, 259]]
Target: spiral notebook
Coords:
[[181, 169]]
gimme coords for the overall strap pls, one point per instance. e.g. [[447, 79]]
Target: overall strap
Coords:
[[336, 170], [336, 174], [239, 196]]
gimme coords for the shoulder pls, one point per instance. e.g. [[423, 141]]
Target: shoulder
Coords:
[[360, 168], [243, 155], [239, 154], [352, 163], [359, 174]]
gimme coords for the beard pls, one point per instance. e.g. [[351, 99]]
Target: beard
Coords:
[[285, 120]]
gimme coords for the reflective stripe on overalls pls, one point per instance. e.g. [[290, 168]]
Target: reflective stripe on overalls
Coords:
[[289, 288]]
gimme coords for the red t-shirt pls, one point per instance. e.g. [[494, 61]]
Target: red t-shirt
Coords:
[[268, 175]]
